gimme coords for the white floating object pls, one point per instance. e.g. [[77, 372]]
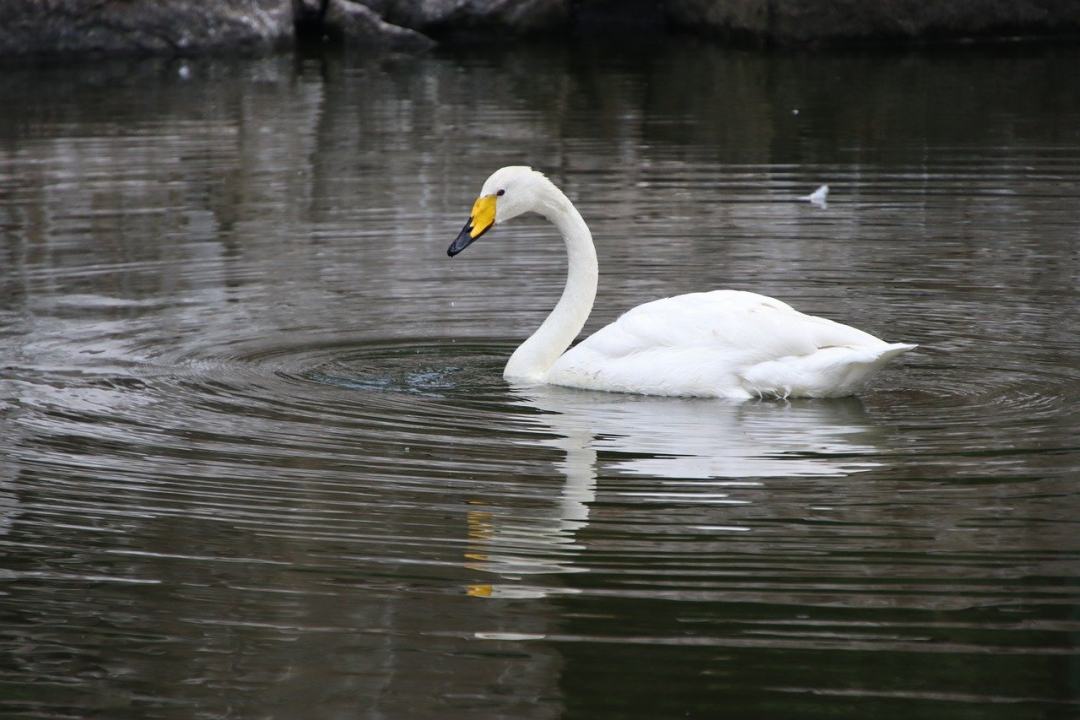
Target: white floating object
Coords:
[[818, 196]]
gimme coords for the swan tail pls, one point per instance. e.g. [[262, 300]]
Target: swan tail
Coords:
[[896, 349], [829, 372]]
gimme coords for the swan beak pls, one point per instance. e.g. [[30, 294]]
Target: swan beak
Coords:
[[480, 221]]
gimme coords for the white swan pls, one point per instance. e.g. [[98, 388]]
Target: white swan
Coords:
[[724, 343]]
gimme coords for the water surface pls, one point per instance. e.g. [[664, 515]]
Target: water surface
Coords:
[[258, 459]]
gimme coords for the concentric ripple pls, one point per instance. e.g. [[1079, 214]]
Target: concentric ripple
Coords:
[[257, 458], [330, 471]]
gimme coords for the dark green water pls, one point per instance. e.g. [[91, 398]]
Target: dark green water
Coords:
[[257, 459]]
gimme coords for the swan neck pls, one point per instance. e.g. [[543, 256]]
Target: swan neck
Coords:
[[534, 357]]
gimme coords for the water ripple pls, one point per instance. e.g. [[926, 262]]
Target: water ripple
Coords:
[[257, 456]]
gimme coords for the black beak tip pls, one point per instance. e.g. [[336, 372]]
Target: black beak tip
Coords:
[[459, 245], [462, 241]]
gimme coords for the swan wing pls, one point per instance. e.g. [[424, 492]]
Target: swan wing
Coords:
[[723, 343]]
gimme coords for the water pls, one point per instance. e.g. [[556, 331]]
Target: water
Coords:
[[258, 459]]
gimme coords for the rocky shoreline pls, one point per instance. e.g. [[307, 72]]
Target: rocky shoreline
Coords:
[[184, 27]]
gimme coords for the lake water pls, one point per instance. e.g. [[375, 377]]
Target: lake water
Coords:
[[257, 458]]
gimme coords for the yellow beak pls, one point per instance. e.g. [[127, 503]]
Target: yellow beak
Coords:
[[480, 221]]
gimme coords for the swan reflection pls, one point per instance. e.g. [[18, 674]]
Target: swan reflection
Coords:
[[698, 451], [12, 438]]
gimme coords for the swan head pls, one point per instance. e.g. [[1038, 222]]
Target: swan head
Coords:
[[509, 192]]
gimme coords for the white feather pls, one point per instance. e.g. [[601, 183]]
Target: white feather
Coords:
[[818, 197], [724, 343]]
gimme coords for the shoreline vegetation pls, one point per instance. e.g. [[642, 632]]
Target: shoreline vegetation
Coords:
[[43, 28]]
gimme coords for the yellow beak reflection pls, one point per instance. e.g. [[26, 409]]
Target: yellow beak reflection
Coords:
[[480, 221]]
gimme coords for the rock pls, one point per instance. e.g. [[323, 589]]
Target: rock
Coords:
[[35, 27], [308, 17], [449, 17], [736, 17], [817, 21], [360, 28], [603, 18]]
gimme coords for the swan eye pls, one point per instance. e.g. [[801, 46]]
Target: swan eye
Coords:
[[501, 193]]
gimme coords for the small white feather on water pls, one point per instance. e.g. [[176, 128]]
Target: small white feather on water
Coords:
[[818, 197]]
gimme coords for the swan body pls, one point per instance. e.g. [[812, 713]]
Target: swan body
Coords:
[[724, 343]]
